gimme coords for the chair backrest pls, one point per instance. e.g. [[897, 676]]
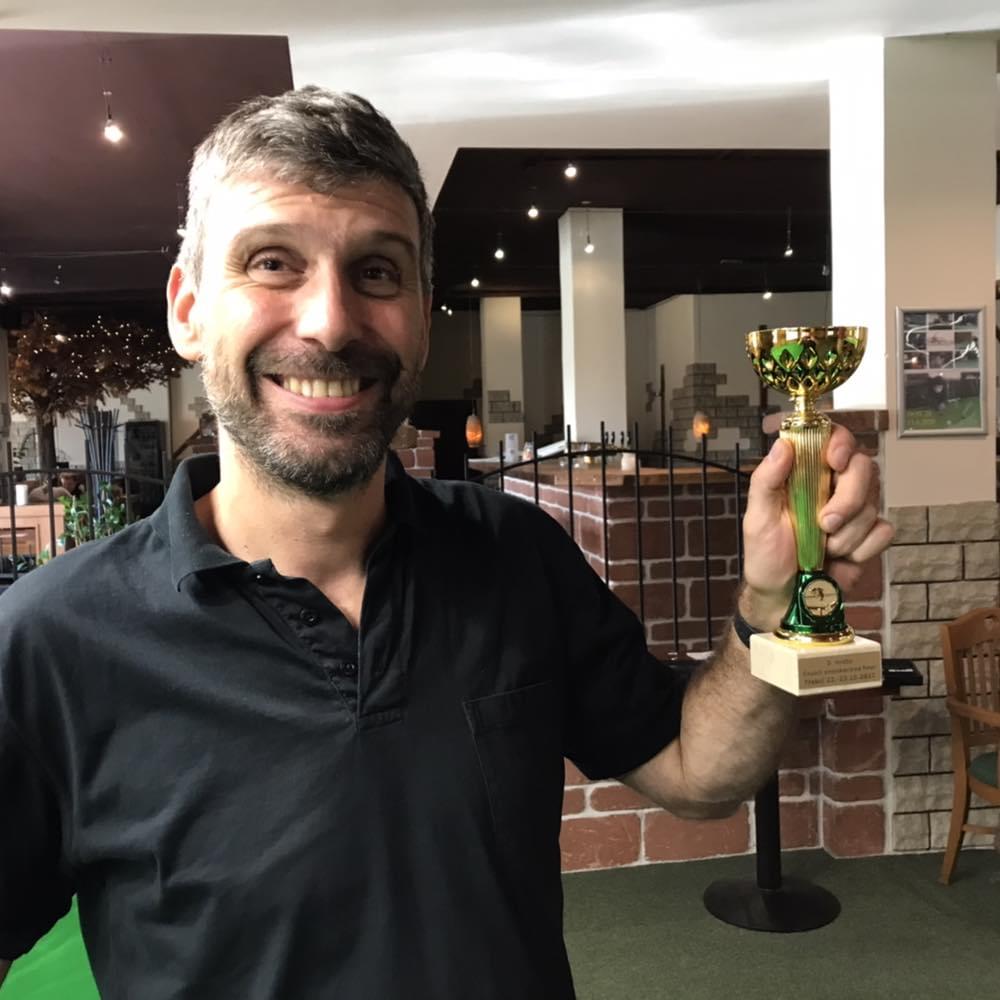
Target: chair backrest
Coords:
[[971, 646]]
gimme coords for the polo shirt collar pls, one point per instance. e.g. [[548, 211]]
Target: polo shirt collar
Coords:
[[191, 548]]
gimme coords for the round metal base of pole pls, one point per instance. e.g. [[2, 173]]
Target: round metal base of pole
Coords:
[[797, 906]]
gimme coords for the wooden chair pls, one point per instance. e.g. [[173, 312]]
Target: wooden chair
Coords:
[[971, 647]]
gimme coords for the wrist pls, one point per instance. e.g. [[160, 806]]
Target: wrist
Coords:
[[762, 610]]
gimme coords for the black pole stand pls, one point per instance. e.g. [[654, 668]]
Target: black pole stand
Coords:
[[771, 903], [785, 906]]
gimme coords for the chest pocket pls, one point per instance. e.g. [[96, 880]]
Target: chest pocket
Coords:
[[518, 741]]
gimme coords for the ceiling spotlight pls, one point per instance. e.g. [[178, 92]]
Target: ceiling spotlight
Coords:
[[499, 254], [112, 132], [451, 312], [788, 234], [444, 307], [181, 231], [767, 294], [589, 248], [474, 282], [570, 170], [533, 212], [5, 290], [57, 280]]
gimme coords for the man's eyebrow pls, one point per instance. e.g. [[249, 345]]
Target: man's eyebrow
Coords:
[[400, 239], [266, 231]]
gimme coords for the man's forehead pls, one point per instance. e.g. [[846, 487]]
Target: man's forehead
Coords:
[[243, 202]]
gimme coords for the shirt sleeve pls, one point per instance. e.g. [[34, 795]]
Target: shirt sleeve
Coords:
[[622, 704], [35, 890]]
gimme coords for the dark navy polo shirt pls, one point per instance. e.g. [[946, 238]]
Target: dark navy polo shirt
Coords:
[[253, 800]]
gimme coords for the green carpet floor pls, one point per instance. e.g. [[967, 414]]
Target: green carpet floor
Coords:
[[643, 933]]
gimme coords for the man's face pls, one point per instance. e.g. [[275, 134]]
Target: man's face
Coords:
[[312, 325]]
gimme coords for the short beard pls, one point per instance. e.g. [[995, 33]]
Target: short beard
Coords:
[[335, 467]]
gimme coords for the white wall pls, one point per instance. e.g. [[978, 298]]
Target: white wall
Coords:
[[187, 401], [503, 368], [673, 323], [722, 321]]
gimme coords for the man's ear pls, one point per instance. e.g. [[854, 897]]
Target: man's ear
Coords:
[[185, 332]]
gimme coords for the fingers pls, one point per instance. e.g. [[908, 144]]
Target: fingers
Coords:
[[851, 490], [840, 448], [766, 494], [863, 545]]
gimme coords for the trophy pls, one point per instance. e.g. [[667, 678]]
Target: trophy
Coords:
[[814, 650]]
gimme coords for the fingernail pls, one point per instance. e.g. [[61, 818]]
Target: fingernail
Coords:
[[832, 522]]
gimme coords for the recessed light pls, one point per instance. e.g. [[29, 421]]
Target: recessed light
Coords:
[[570, 170]]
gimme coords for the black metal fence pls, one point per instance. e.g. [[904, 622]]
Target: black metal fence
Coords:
[[136, 494], [674, 479]]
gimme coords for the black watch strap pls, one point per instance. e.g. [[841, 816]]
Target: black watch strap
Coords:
[[743, 628]]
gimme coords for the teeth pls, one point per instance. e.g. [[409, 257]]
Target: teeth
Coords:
[[314, 388]]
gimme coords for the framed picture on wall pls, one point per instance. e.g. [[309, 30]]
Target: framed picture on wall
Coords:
[[941, 371]]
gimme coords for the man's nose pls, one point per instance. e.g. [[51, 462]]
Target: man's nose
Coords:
[[327, 311]]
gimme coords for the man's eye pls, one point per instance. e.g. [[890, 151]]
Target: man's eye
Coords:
[[379, 277], [268, 262]]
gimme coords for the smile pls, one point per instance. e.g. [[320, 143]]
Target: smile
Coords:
[[321, 388]]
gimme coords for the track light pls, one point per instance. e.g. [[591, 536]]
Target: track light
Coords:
[[589, 247], [570, 171], [767, 294], [533, 212], [5, 290], [789, 251], [474, 282]]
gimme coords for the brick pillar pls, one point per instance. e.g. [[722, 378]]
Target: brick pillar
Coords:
[[418, 459]]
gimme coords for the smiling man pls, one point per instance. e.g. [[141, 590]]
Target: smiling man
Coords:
[[301, 733]]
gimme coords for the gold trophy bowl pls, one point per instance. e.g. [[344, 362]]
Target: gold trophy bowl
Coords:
[[814, 650]]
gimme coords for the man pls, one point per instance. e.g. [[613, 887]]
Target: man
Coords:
[[309, 739]]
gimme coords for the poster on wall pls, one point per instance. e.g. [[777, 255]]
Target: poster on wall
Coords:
[[941, 372]]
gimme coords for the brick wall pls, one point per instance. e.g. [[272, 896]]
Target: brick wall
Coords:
[[833, 780], [944, 561], [419, 460]]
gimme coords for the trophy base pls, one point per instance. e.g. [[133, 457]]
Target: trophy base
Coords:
[[816, 668]]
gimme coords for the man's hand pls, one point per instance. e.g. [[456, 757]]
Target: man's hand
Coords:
[[855, 531]]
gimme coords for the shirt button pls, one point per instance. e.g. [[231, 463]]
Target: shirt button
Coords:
[[308, 617], [350, 669]]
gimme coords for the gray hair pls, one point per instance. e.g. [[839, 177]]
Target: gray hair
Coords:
[[310, 136]]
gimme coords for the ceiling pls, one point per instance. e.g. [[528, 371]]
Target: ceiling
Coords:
[[705, 121], [101, 219], [705, 221]]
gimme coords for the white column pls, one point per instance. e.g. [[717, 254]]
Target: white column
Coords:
[[592, 290], [913, 183], [503, 372]]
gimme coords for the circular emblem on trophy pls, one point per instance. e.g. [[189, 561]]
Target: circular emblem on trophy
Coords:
[[820, 598]]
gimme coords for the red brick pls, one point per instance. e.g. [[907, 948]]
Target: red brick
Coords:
[[802, 749], [600, 842], [723, 593], [620, 572], [622, 540], [791, 784], [856, 788], [685, 507], [800, 824], [617, 798], [574, 776], [425, 458], [574, 801], [852, 745], [722, 537], [865, 617], [421, 473], [852, 831], [869, 584], [668, 838], [856, 703], [658, 598], [815, 783], [408, 457]]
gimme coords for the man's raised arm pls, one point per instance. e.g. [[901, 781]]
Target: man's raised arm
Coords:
[[733, 726]]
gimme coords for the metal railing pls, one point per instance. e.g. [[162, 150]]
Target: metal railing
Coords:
[[13, 564], [673, 484]]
